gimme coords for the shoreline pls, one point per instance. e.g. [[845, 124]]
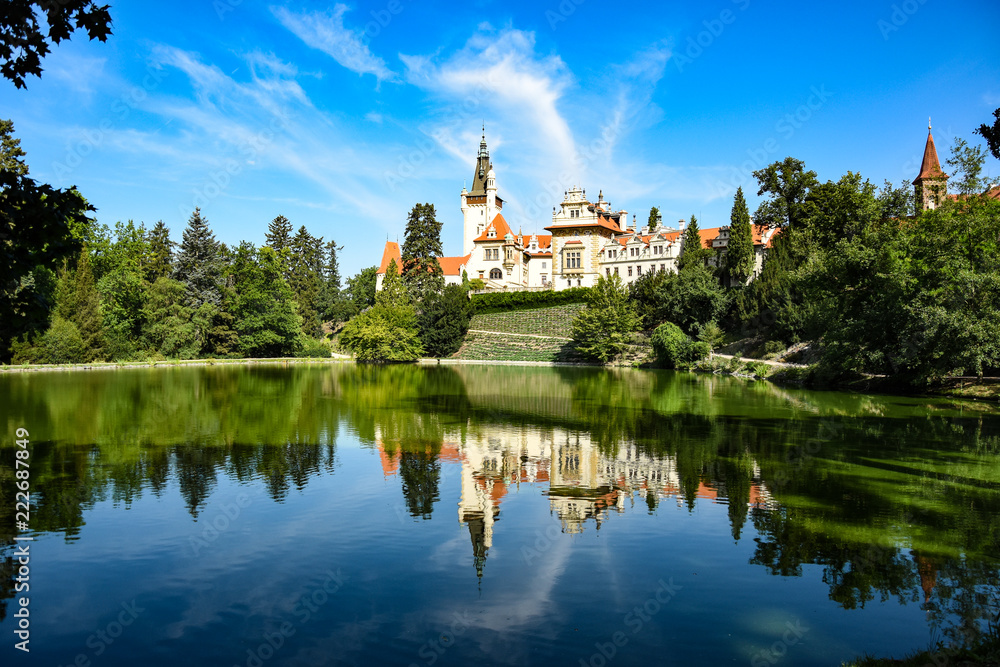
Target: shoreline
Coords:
[[971, 389]]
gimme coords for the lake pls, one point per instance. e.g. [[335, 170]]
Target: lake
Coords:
[[459, 515]]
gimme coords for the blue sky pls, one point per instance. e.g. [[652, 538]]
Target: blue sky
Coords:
[[343, 116]]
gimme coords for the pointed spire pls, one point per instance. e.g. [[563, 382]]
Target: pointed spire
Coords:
[[930, 167]]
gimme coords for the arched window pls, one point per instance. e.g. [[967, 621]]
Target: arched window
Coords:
[[496, 274]]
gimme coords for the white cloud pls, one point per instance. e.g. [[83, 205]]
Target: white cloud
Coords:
[[326, 32]]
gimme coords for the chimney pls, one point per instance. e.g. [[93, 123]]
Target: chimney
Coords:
[[680, 225]]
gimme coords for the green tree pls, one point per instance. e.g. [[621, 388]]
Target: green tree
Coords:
[[200, 263], [23, 42], [361, 287], [654, 217], [992, 134], [124, 290], [674, 349], [422, 272], [161, 253], [336, 304], [740, 258], [170, 328], [444, 320], [690, 299], [263, 304], [644, 293], [387, 331], [79, 302], [11, 153], [967, 166], [602, 330], [788, 184], [39, 228], [305, 271], [279, 233], [63, 344], [693, 251]]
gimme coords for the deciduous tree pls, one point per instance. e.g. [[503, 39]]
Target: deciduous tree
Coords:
[[24, 41], [602, 330]]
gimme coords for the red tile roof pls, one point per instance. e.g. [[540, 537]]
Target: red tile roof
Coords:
[[930, 167], [450, 266], [601, 221], [390, 253], [501, 227]]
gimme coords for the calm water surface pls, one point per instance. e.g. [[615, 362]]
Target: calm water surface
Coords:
[[316, 515]]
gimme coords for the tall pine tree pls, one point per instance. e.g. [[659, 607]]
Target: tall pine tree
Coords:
[[305, 272], [199, 264], [421, 248], [79, 302], [161, 260], [200, 267], [330, 294], [739, 250], [279, 233], [693, 251]]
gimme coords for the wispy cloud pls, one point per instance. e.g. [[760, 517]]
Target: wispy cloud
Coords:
[[498, 77], [326, 32]]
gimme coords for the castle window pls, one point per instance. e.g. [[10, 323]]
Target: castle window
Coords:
[[545, 265], [571, 260], [630, 272], [607, 271], [638, 270], [616, 270], [496, 274]]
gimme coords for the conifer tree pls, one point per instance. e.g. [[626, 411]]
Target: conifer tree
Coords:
[[693, 252], [421, 248], [78, 301], [279, 233], [305, 272], [654, 217], [199, 264], [739, 250], [11, 153], [161, 260], [330, 294]]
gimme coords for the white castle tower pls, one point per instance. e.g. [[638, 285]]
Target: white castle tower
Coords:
[[481, 204]]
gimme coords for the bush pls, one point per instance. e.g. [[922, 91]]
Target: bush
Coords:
[[312, 347], [384, 332], [675, 349], [62, 343], [774, 347], [498, 302]]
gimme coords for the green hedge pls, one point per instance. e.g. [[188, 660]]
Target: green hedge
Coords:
[[499, 302]]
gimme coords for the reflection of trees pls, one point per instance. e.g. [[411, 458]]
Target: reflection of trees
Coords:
[[420, 471], [843, 471]]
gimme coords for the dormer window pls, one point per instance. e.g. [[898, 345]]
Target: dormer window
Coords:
[[492, 233]]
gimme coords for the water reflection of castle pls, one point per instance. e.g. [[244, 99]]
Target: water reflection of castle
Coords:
[[583, 482]]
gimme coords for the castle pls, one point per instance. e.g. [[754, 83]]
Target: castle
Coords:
[[589, 239]]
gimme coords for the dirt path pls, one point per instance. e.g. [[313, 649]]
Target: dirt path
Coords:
[[504, 333]]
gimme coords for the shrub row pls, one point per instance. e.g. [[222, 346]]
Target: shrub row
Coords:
[[498, 302]]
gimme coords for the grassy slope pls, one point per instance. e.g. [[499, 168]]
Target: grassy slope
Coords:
[[553, 321]]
